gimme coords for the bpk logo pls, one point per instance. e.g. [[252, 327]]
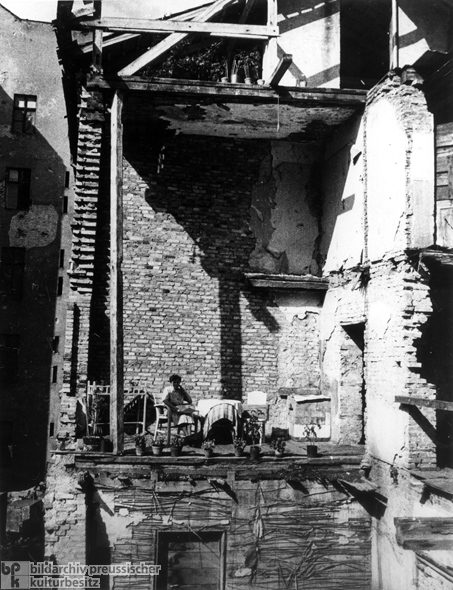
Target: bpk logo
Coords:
[[15, 574]]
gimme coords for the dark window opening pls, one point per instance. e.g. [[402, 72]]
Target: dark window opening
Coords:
[[60, 286], [54, 374], [353, 380], [435, 353], [67, 179], [51, 429], [191, 560], [12, 272], [24, 113], [364, 42], [61, 258], [65, 204], [17, 188], [9, 355], [55, 344]]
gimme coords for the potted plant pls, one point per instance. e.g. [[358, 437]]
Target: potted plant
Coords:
[[239, 446], [311, 438], [278, 444], [208, 447], [254, 428], [176, 444], [235, 71], [140, 444], [157, 445]]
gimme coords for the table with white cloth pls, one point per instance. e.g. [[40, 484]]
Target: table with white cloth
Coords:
[[213, 410]]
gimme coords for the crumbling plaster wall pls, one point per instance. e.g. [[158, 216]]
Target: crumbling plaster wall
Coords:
[[400, 199], [285, 211], [344, 305], [30, 66], [342, 242], [395, 568]]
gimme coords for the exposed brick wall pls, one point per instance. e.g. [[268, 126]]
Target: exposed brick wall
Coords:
[[187, 242], [65, 513]]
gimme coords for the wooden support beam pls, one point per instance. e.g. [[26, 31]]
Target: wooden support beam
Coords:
[[393, 49], [97, 40], [424, 534], [134, 25], [164, 46], [270, 50], [116, 290], [421, 402], [280, 70]]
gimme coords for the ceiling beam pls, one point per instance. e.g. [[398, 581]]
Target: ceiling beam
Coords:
[[167, 44], [423, 402], [134, 25]]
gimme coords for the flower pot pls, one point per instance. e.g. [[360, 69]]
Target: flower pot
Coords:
[[312, 451], [279, 454], [208, 453], [156, 450], [248, 80], [224, 80], [234, 78], [255, 453], [175, 451], [260, 82], [139, 450], [91, 443], [106, 445], [239, 452]]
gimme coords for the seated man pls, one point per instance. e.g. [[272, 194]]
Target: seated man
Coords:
[[176, 398]]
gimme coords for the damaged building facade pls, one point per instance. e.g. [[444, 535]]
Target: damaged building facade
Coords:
[[292, 236]]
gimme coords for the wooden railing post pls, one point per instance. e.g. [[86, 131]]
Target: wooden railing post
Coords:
[[116, 286]]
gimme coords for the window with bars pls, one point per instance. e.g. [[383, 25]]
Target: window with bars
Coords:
[[9, 354], [24, 113], [17, 188], [12, 267], [190, 560]]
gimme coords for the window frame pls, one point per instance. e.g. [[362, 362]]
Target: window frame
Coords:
[[18, 190], [24, 117], [162, 541]]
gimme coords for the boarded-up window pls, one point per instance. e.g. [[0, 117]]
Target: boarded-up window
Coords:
[[191, 561], [24, 113]]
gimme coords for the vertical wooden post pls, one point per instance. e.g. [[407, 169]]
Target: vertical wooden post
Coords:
[[270, 57], [97, 40], [116, 285], [394, 40]]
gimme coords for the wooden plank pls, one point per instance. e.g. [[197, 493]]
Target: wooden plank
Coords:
[[124, 25], [164, 46], [444, 135], [302, 97], [116, 312], [430, 533], [280, 70], [394, 57], [425, 403]]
